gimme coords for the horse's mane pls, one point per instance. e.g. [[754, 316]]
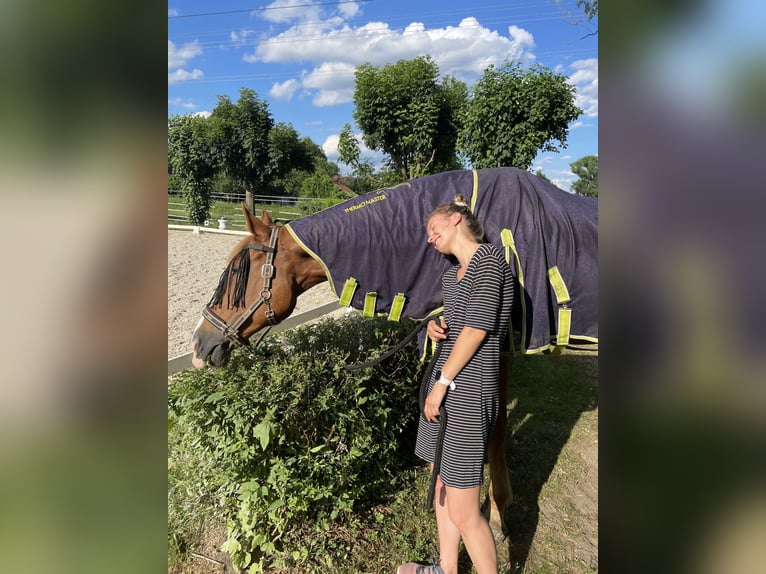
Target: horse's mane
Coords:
[[237, 270]]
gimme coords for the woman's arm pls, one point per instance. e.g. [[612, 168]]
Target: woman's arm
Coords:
[[466, 345]]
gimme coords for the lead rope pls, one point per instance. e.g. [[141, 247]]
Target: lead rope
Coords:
[[422, 398], [396, 348], [442, 425]]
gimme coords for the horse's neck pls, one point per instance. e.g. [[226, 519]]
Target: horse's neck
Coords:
[[306, 271]]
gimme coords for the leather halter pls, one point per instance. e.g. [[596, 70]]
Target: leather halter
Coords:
[[231, 332]]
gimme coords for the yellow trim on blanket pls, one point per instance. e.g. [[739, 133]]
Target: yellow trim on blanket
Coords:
[[565, 323], [475, 193], [314, 256], [510, 246], [559, 287], [562, 298], [349, 287], [397, 306], [369, 304]]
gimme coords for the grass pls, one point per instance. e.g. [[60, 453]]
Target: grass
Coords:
[[551, 447]]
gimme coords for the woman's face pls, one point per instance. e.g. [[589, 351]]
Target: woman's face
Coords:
[[441, 231]]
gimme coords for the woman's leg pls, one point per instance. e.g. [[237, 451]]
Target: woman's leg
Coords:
[[464, 515], [449, 535]]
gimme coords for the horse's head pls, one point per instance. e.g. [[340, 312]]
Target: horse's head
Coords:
[[256, 290]]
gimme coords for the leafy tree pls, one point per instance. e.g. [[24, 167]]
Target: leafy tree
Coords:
[[194, 158], [287, 151], [586, 169], [590, 7], [241, 134], [539, 173], [348, 148], [403, 111], [320, 185], [513, 114]]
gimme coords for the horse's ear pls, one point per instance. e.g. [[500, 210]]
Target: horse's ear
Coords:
[[254, 225], [265, 217]]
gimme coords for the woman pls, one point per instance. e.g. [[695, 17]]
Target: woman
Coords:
[[478, 293]]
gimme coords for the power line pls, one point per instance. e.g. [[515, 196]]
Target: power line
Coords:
[[267, 8]]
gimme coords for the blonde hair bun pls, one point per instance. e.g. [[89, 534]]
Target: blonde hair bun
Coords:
[[460, 200]]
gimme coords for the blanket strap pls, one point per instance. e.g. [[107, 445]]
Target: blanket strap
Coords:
[[369, 304], [396, 307], [348, 292], [562, 298], [510, 247]]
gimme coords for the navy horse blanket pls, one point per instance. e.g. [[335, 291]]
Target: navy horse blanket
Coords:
[[374, 251]]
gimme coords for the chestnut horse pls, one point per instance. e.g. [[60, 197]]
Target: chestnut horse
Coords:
[[373, 251]]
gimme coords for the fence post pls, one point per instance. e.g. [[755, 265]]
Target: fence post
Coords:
[[249, 202]]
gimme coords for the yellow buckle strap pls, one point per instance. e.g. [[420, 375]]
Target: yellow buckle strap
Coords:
[[510, 247], [396, 307], [565, 324], [369, 304], [562, 298], [559, 287], [348, 292]]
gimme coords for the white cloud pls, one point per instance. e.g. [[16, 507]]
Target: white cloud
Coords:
[[285, 90], [349, 10], [172, 12], [335, 49], [241, 36], [585, 79], [178, 58], [289, 10], [521, 37], [564, 184], [183, 75], [181, 103], [203, 114], [334, 83], [330, 148]]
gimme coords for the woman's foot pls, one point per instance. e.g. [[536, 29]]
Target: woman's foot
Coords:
[[419, 568]]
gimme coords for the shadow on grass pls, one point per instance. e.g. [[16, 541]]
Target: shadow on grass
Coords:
[[548, 394]]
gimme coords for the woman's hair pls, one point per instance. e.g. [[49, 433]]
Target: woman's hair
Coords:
[[460, 205]]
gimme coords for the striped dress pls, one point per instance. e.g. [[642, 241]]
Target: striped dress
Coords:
[[481, 299]]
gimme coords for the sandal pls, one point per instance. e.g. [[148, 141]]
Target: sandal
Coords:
[[420, 568]]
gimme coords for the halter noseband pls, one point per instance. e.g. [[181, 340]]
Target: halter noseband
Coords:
[[231, 332]]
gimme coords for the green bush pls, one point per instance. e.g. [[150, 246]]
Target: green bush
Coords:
[[289, 440]]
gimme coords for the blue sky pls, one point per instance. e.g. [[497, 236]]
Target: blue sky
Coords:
[[300, 56]]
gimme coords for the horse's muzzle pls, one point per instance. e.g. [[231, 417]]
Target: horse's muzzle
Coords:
[[208, 343]]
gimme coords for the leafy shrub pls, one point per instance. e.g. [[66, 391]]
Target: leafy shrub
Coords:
[[293, 440]]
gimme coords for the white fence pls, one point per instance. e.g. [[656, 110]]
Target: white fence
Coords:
[[228, 205]]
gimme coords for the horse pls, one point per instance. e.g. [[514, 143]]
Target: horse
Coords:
[[372, 250]]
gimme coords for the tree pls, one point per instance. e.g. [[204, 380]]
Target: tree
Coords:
[[586, 169], [513, 114], [403, 111], [195, 160], [539, 173], [287, 151], [241, 134], [590, 7], [348, 148]]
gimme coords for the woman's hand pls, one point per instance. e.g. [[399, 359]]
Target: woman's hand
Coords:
[[437, 332], [433, 402]]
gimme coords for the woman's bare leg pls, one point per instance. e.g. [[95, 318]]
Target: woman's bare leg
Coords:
[[464, 515]]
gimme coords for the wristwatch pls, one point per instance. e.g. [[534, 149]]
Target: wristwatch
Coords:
[[446, 382]]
